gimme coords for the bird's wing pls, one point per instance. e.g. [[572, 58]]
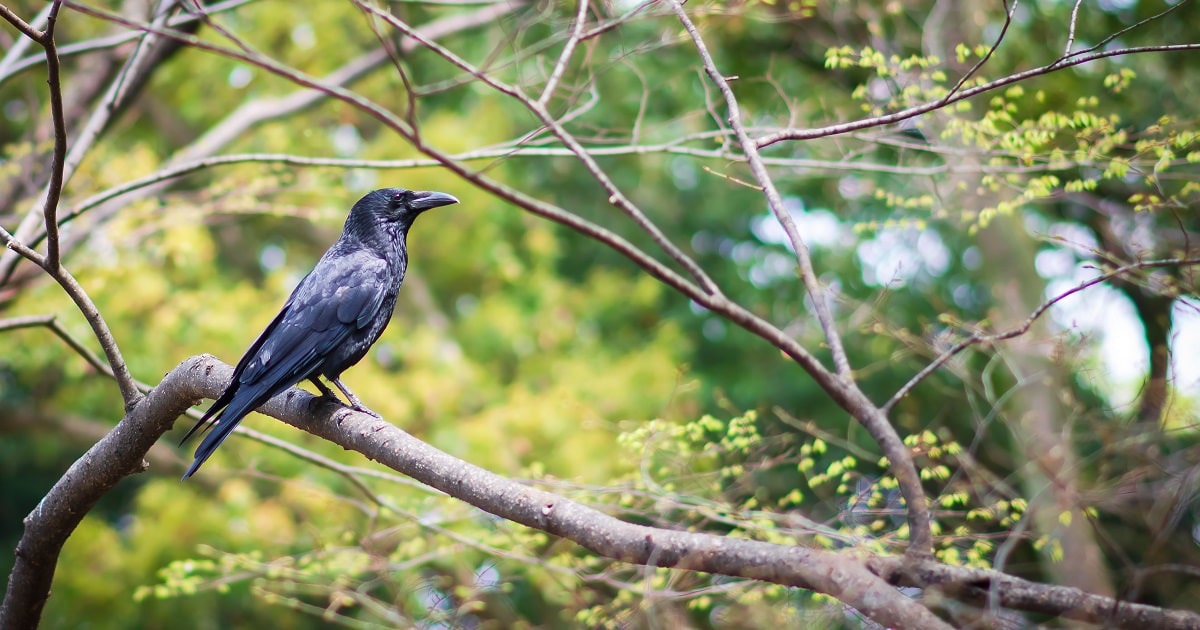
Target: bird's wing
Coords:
[[328, 306], [339, 297]]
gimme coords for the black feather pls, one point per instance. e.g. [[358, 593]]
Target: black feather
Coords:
[[333, 316]]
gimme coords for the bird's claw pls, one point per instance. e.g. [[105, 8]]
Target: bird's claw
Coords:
[[362, 409]]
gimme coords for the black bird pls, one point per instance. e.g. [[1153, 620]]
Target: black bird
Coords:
[[332, 317]]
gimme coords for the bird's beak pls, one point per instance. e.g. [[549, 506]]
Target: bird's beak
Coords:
[[427, 200]]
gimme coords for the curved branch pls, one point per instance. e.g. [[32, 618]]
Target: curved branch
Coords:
[[120, 453], [917, 110], [120, 371], [858, 579], [853, 401], [981, 338]]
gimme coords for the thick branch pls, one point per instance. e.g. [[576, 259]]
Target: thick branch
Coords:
[[113, 458], [120, 453], [852, 578], [981, 587]]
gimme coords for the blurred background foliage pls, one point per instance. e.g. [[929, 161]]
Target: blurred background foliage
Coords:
[[533, 351]]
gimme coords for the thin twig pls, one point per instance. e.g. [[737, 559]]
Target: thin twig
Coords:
[[979, 338], [51, 322], [27, 29], [565, 57], [917, 110], [1136, 25], [734, 117], [13, 55], [1008, 16], [510, 150], [120, 371], [1071, 28], [54, 188]]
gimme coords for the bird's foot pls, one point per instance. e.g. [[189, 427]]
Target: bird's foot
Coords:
[[325, 391], [355, 403], [357, 406]]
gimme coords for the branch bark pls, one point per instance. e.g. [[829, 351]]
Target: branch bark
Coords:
[[858, 579], [121, 453]]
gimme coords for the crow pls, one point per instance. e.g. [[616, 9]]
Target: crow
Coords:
[[332, 317]]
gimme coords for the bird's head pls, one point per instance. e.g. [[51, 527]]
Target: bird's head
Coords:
[[391, 211]]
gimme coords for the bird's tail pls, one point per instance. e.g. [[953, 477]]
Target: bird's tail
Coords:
[[221, 426], [230, 414]]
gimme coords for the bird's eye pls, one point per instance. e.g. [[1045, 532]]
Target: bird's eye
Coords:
[[400, 198]]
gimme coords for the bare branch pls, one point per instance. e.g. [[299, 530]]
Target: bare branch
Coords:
[[974, 585], [565, 57], [863, 410], [1071, 27], [917, 110], [774, 200], [1008, 16], [980, 338], [54, 188], [852, 577], [120, 454], [26, 29], [111, 459], [120, 371], [51, 322]]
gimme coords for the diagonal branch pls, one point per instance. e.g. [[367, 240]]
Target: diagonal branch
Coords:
[[51, 322], [1077, 59], [859, 579], [116, 363], [855, 402], [978, 338], [565, 57], [120, 454], [774, 200]]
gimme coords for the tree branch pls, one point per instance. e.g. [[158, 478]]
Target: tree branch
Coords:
[[119, 370], [855, 402], [857, 579], [120, 454], [54, 188], [981, 586], [917, 110], [135, 66], [981, 338]]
